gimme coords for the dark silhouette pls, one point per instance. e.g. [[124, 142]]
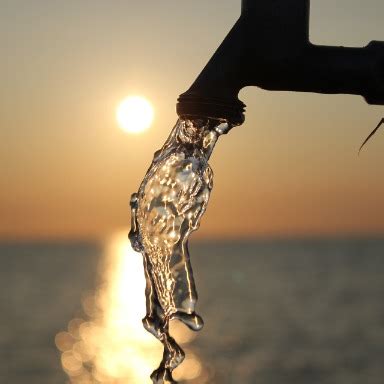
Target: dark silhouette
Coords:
[[371, 134], [269, 47]]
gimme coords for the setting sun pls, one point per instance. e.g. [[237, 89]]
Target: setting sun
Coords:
[[134, 114]]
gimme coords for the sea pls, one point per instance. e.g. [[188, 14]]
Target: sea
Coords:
[[289, 311]]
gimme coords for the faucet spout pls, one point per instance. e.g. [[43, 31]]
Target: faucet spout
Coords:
[[269, 47]]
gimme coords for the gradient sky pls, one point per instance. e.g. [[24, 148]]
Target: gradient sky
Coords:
[[68, 171]]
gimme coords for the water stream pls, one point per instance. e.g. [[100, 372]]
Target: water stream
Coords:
[[168, 206], [104, 343]]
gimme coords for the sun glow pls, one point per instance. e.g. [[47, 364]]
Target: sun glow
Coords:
[[111, 345], [134, 114]]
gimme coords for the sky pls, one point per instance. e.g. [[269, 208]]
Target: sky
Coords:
[[67, 170]]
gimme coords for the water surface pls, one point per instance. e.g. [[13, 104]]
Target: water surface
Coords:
[[286, 311]]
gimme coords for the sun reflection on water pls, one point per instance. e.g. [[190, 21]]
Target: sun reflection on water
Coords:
[[109, 345]]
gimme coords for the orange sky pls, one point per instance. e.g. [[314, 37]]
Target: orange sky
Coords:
[[68, 171]]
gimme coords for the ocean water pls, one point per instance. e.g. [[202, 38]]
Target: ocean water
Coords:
[[275, 311]]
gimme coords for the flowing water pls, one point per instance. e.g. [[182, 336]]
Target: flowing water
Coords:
[[104, 343], [168, 206]]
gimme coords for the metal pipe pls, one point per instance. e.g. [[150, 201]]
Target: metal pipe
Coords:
[[269, 47]]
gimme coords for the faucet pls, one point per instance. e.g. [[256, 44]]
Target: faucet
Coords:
[[269, 47]]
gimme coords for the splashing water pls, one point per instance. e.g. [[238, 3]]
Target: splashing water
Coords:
[[168, 206]]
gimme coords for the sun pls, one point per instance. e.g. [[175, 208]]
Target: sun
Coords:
[[134, 114]]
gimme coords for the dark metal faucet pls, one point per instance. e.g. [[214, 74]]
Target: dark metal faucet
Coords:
[[269, 47]]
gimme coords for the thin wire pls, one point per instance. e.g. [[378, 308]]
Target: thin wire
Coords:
[[371, 134]]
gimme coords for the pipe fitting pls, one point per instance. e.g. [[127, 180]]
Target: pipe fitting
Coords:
[[269, 47]]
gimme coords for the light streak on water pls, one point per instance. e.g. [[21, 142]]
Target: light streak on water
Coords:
[[108, 344]]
